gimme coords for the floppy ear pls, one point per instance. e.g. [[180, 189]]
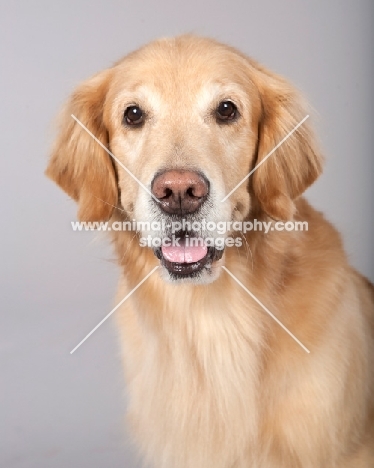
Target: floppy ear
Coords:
[[296, 163], [78, 164]]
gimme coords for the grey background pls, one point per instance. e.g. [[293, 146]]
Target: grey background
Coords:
[[59, 410]]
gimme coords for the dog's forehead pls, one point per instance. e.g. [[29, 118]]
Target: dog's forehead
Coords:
[[183, 66]]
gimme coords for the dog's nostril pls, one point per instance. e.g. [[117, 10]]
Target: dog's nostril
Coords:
[[167, 193], [190, 192]]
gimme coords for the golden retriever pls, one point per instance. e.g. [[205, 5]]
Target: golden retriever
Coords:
[[214, 380]]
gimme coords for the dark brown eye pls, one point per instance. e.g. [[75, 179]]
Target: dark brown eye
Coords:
[[133, 116], [226, 111]]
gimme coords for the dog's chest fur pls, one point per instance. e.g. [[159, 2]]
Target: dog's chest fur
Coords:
[[195, 380]]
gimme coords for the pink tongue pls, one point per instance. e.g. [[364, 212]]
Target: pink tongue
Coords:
[[184, 253]]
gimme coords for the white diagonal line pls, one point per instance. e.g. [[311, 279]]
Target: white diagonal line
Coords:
[[115, 308], [266, 310], [116, 159], [266, 157]]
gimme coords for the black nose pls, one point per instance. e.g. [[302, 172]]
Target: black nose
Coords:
[[180, 192]]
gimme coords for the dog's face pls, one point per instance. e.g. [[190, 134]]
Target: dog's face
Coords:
[[188, 118]]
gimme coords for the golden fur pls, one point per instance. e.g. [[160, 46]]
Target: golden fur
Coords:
[[213, 381]]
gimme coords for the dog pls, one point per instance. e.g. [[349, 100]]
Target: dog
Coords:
[[255, 352]]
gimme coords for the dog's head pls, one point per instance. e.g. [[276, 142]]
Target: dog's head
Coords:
[[186, 120]]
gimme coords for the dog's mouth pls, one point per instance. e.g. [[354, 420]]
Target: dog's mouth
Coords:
[[187, 257]]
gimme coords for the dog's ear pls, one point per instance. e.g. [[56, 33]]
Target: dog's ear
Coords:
[[296, 163], [78, 164]]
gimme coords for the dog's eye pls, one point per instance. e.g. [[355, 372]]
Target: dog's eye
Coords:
[[226, 111], [134, 116]]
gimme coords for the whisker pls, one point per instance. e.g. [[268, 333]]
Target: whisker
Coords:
[[128, 246], [116, 207], [248, 249]]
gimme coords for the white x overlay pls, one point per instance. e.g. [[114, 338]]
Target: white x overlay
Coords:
[[223, 267]]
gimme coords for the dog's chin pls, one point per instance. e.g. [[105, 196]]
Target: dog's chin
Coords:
[[204, 271]]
